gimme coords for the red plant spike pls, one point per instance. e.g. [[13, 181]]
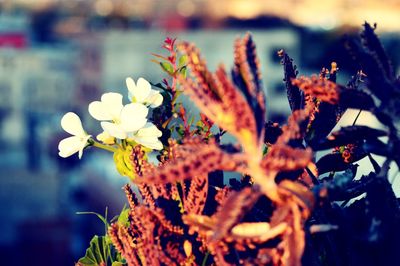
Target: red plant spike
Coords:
[[217, 98], [322, 89], [199, 159]]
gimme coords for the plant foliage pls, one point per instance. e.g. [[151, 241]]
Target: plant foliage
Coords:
[[290, 207]]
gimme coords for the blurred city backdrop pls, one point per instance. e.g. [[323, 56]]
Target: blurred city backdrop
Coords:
[[58, 56]]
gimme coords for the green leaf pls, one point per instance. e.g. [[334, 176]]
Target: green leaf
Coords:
[[101, 217], [182, 61], [97, 247], [265, 150], [180, 131], [123, 217], [167, 67], [106, 248], [94, 255], [87, 262], [183, 71], [191, 120], [116, 263]]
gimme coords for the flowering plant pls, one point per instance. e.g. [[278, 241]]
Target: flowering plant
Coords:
[[285, 207]]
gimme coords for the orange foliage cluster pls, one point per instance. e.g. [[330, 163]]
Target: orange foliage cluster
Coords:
[[322, 89], [182, 176], [182, 216]]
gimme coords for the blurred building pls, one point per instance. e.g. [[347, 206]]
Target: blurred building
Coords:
[[310, 13], [131, 52]]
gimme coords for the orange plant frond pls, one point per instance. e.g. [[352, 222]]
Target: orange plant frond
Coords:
[[123, 243], [136, 226], [218, 98], [197, 159], [219, 253], [299, 194], [200, 73], [197, 195], [113, 233], [286, 158], [234, 209], [247, 64], [174, 250], [144, 244], [222, 194], [131, 196], [139, 162], [247, 77], [201, 86], [295, 127], [150, 252], [265, 256], [294, 242], [157, 216], [147, 194], [322, 89], [243, 235], [201, 224], [248, 234], [298, 202], [313, 107], [170, 152], [235, 103], [161, 190], [306, 178], [147, 227], [293, 239]]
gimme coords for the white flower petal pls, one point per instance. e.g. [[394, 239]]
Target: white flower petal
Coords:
[[69, 146], [99, 111], [111, 98], [130, 84], [155, 99], [113, 103], [133, 125], [142, 90], [148, 137], [84, 142], [72, 124], [103, 136], [133, 116], [149, 130], [114, 130], [149, 142], [106, 138]]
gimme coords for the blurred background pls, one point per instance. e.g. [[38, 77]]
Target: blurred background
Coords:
[[59, 55]]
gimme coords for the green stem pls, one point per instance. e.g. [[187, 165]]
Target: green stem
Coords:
[[104, 147], [205, 259]]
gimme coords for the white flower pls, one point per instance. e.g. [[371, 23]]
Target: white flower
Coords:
[[106, 138], [72, 124], [148, 137], [143, 93], [118, 120]]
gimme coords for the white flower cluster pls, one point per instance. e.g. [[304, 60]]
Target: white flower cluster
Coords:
[[117, 120]]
